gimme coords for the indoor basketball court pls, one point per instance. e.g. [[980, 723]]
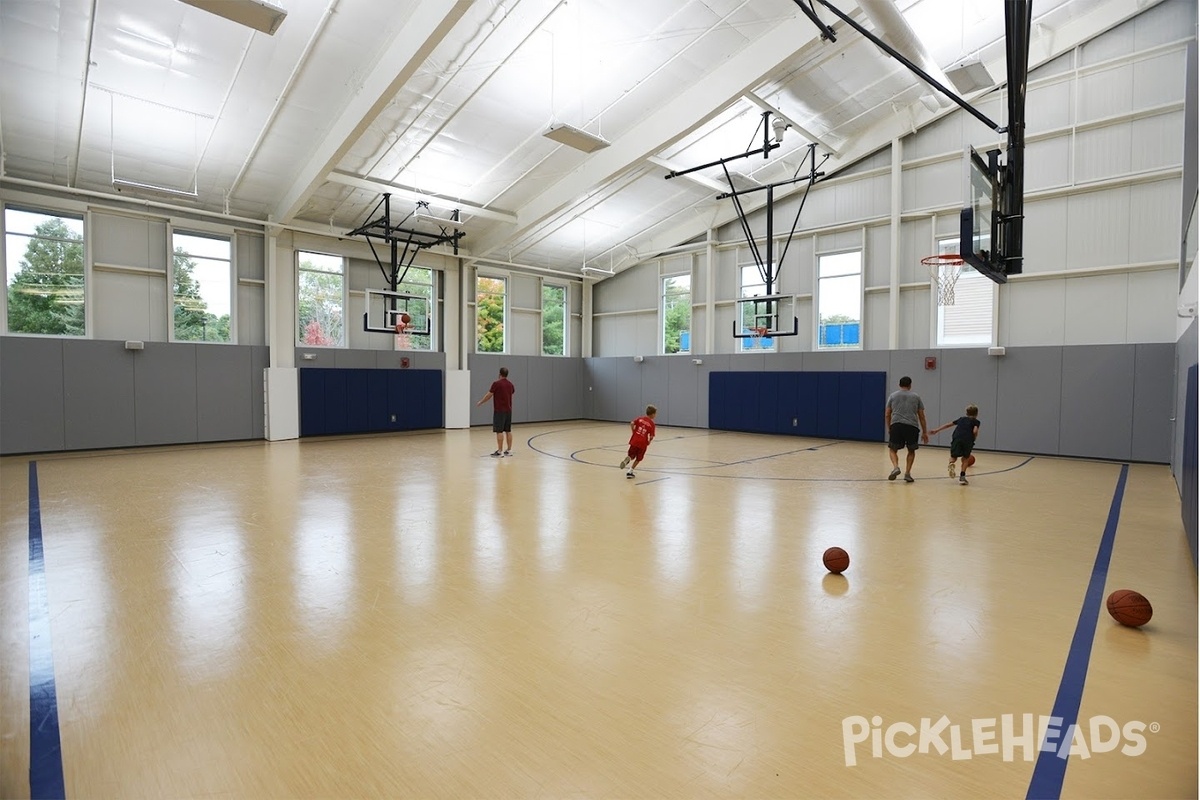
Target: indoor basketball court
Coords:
[[771, 399]]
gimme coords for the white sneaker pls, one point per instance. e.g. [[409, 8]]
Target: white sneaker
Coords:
[[508, 452], [630, 474], [624, 463], [950, 470]]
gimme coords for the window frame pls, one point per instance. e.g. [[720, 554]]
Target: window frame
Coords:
[[817, 281], [566, 318], [201, 233], [69, 210], [345, 343], [944, 246], [504, 280], [662, 313], [751, 345], [433, 306]]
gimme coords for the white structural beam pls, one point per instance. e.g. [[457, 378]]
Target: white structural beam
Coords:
[[408, 193], [896, 126], [807, 134], [424, 31], [691, 108]]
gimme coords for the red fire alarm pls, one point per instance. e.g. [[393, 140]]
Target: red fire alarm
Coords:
[[930, 362], [404, 363]]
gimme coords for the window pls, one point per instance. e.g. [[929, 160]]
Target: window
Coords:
[[418, 281], [490, 303], [968, 321], [44, 272], [677, 314], [753, 285], [554, 320], [202, 280], [839, 301], [321, 300]]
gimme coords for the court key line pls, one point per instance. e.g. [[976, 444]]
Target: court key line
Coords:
[[45, 747], [1050, 769]]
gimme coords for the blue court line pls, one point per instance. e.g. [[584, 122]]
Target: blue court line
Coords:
[[1050, 769], [45, 748]]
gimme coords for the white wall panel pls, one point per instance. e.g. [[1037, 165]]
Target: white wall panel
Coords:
[[1105, 93], [1098, 228], [1033, 313], [1046, 235], [1047, 164], [914, 319], [862, 199], [1103, 152], [251, 315], [933, 185], [1153, 224], [916, 242], [524, 291], [1048, 107], [875, 322], [1157, 142], [129, 241], [877, 265], [943, 136], [1159, 80], [1090, 315], [523, 337], [129, 306], [1150, 298], [634, 288]]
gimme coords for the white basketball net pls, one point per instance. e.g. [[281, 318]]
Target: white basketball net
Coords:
[[944, 271]]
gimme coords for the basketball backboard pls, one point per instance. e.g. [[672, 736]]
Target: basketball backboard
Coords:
[[384, 309], [990, 220], [762, 318]]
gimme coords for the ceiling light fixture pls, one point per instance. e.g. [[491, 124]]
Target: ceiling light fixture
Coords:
[[260, 15], [425, 216], [574, 137], [120, 183]]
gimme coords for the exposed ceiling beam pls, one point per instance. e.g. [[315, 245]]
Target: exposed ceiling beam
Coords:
[[1079, 30], [420, 35], [807, 134], [409, 193], [691, 108]]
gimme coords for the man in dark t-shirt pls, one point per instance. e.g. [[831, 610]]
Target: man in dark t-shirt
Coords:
[[501, 394]]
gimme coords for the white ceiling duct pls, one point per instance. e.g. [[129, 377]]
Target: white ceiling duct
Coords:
[[891, 26]]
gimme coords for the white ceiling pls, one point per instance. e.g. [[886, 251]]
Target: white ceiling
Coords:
[[448, 101]]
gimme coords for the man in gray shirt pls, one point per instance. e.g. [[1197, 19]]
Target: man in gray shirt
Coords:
[[905, 418]]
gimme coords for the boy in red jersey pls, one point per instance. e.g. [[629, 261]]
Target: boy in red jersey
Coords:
[[642, 434]]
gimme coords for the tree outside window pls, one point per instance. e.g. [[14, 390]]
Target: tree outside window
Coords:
[[490, 294], [202, 277], [677, 314], [554, 313], [321, 299], [45, 273], [418, 281]]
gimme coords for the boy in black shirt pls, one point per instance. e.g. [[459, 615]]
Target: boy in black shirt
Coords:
[[966, 430]]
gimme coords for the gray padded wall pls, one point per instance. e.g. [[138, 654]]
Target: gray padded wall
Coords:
[[31, 395], [1096, 407], [974, 380], [90, 394], [165, 385], [99, 395], [1153, 409], [1027, 402], [225, 381], [567, 388], [1185, 355], [548, 387]]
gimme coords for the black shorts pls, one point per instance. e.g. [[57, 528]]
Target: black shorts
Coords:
[[961, 448], [902, 435], [501, 422]]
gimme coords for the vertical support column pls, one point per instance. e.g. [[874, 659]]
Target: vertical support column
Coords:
[[894, 245], [710, 289], [587, 319], [281, 383], [453, 310]]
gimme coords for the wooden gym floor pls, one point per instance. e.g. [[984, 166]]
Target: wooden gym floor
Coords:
[[404, 616]]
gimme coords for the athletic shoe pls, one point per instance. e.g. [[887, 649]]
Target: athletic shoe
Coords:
[[908, 478], [950, 469], [630, 474], [624, 463], [895, 474], [508, 452], [496, 454], [962, 479]]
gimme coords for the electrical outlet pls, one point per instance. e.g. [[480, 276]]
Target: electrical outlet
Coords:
[[393, 417]]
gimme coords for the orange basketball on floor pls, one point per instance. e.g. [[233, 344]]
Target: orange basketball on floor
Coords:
[[970, 461], [1129, 608], [836, 560]]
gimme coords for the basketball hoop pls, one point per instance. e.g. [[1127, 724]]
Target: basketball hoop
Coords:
[[758, 333], [944, 270], [401, 337]]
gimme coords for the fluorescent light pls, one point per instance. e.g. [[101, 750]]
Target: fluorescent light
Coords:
[[119, 182], [257, 14], [574, 137]]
